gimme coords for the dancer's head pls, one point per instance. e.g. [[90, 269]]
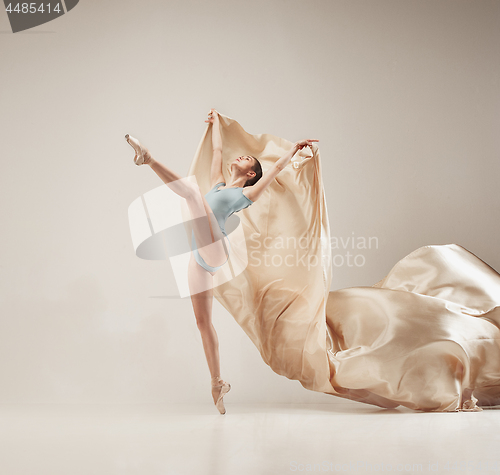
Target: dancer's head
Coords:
[[248, 166]]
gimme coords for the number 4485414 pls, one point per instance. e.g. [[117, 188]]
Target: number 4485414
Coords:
[[32, 8]]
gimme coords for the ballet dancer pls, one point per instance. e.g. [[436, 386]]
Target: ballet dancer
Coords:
[[210, 243]]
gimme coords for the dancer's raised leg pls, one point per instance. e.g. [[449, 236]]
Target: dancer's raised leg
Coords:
[[211, 243], [182, 186]]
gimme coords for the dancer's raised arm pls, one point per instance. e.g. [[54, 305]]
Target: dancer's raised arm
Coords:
[[216, 175], [254, 191]]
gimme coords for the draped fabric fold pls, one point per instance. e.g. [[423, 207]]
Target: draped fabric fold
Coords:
[[426, 336]]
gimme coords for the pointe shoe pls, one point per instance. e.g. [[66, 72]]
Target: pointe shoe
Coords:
[[224, 389], [142, 155]]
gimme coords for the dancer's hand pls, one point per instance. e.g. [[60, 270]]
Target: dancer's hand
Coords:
[[305, 143], [212, 116]]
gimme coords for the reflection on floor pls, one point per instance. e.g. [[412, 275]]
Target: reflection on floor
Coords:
[[150, 439]]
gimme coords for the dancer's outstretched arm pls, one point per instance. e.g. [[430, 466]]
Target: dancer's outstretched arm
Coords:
[[253, 192], [216, 170]]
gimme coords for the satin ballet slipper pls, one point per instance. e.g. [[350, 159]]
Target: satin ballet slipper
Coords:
[[469, 402], [142, 155], [224, 389]]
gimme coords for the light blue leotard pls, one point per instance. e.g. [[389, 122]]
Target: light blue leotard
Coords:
[[223, 203]]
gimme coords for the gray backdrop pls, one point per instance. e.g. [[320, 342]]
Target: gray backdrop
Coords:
[[402, 95]]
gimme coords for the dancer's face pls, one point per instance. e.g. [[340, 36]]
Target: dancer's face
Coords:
[[244, 163]]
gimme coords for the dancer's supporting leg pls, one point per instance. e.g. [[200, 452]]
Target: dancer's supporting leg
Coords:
[[198, 277], [202, 306], [209, 238]]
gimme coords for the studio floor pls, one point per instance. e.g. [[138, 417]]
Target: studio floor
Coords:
[[154, 439]]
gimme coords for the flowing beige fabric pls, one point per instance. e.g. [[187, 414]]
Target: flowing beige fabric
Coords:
[[426, 336]]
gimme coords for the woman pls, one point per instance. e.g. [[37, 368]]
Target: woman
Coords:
[[209, 238]]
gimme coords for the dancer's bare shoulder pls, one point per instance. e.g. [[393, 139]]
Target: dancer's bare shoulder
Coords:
[[248, 193]]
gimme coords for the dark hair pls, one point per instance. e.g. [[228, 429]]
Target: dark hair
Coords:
[[258, 173]]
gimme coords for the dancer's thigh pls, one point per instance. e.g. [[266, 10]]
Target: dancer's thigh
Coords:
[[211, 243], [201, 290]]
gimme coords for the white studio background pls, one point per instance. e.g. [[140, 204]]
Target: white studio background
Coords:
[[404, 97]]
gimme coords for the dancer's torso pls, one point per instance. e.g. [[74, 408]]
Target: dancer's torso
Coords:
[[225, 202]]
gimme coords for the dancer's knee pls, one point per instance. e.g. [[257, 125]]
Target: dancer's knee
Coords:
[[203, 322], [193, 193]]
